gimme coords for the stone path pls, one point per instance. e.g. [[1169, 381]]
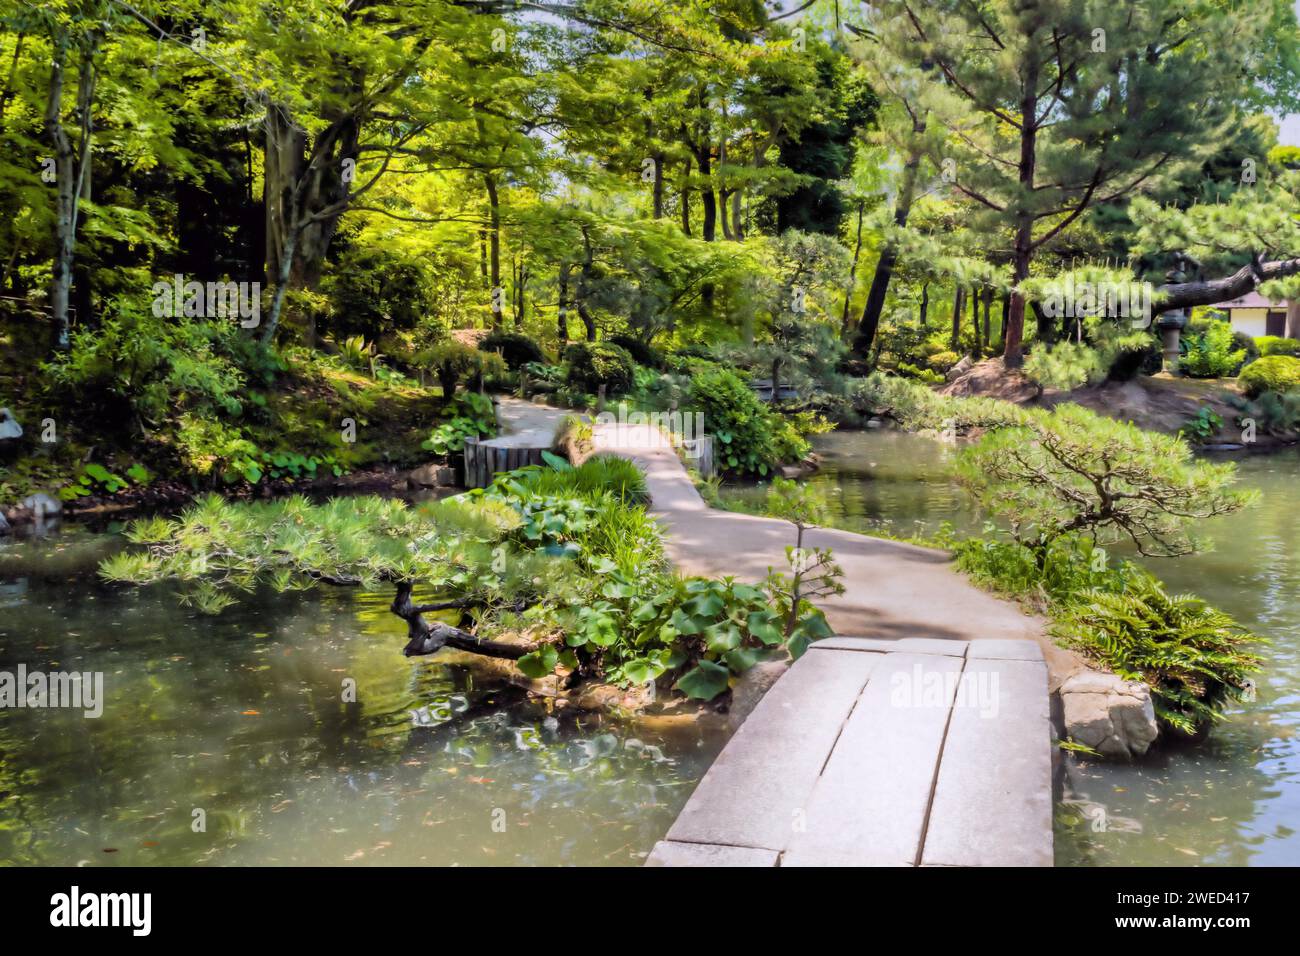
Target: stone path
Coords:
[[922, 740], [914, 752]]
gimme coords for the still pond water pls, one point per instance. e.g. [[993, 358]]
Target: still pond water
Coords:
[[1234, 798], [242, 717]]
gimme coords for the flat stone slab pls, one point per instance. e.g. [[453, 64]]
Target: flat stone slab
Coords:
[[882, 753], [1005, 650], [868, 808], [992, 802], [670, 853], [757, 790]]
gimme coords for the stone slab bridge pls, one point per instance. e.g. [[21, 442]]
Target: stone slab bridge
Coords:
[[923, 741], [909, 752]]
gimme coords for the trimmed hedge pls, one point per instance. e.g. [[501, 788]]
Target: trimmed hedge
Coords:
[[516, 348], [641, 352], [1277, 345], [593, 364], [1273, 373]]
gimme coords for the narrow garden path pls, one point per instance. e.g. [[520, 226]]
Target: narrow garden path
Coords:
[[892, 589], [921, 740]]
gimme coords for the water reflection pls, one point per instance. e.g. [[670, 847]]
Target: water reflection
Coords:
[[241, 723]]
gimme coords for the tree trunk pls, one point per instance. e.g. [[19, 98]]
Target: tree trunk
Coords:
[[659, 185], [853, 275], [494, 248], [584, 279], [562, 317], [71, 167], [975, 320], [1013, 353], [1292, 329], [988, 319], [958, 303], [686, 198], [925, 303]]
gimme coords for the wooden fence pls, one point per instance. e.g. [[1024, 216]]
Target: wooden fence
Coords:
[[483, 461]]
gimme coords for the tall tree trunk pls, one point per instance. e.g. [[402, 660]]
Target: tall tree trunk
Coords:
[[686, 198], [71, 167], [958, 303], [975, 320], [1292, 328], [1014, 332], [988, 319], [737, 218], [584, 278], [494, 248], [658, 185], [306, 194], [875, 305], [853, 275], [562, 317], [925, 303]]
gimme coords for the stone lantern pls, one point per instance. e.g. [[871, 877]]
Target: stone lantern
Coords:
[[1171, 323]]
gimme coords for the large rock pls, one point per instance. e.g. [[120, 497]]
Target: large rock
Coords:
[[9, 428], [1109, 714], [960, 369], [431, 476], [41, 504]]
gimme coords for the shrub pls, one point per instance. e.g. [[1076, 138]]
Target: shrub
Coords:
[[1212, 353], [943, 360], [515, 348], [593, 364], [1195, 658], [1277, 345], [1065, 365], [750, 437], [1070, 470], [599, 474], [1273, 373], [920, 374], [642, 353], [1126, 355], [454, 362], [467, 415]]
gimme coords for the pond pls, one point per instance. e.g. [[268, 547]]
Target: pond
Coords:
[[1232, 799], [230, 740]]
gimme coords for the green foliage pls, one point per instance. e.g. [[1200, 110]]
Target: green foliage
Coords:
[[1070, 470], [96, 479], [916, 407], [925, 375], [1278, 413], [642, 353], [467, 415], [1069, 564], [454, 362], [750, 437], [597, 475], [515, 348], [373, 290], [1274, 373], [593, 364], [1065, 365], [1196, 659], [1202, 426], [140, 367], [356, 353], [1211, 354], [1277, 345]]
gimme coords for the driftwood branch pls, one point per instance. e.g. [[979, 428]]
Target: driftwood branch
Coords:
[[428, 638]]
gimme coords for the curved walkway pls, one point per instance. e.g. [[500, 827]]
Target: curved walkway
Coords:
[[892, 589], [922, 740]]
